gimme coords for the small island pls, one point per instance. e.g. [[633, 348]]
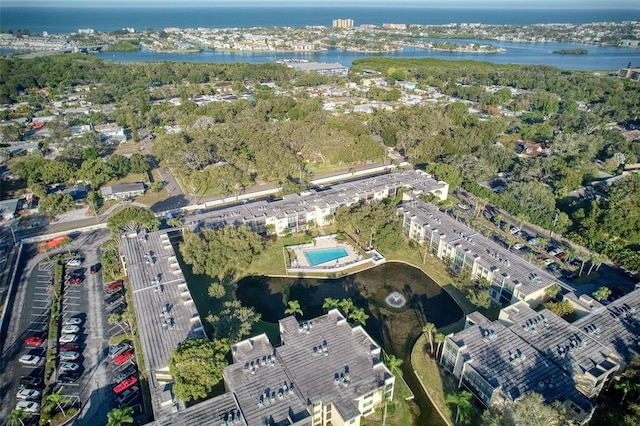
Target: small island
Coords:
[[571, 52], [125, 46]]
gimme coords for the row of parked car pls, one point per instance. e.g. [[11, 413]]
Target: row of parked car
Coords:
[[122, 354]]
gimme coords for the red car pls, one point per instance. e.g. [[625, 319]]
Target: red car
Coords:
[[33, 341], [75, 280], [125, 384], [69, 347], [122, 358], [114, 285]]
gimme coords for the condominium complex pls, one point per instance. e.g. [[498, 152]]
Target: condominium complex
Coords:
[[512, 278], [527, 350], [343, 23], [299, 212], [325, 372]]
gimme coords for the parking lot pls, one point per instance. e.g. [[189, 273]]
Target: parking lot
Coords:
[[83, 307]]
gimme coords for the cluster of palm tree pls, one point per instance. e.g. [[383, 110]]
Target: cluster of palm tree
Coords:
[[52, 401], [432, 334], [348, 308]]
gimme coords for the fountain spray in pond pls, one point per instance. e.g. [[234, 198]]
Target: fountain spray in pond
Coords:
[[395, 300]]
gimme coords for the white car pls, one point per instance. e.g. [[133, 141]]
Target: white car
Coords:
[[74, 262], [514, 230], [548, 261], [28, 394], [68, 366], [69, 356], [68, 338], [70, 329], [72, 321], [556, 251], [30, 359], [126, 394], [517, 246], [28, 406]]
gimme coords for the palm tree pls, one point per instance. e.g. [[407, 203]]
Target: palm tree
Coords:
[[531, 255], [17, 416], [602, 259], [543, 243], [56, 399], [120, 416], [596, 260], [330, 303], [116, 319], [585, 258], [294, 308], [358, 315], [570, 254], [601, 294], [462, 400], [439, 338], [429, 328], [497, 219], [393, 363], [346, 305]]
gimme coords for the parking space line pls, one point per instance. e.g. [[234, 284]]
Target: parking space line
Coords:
[[72, 304]]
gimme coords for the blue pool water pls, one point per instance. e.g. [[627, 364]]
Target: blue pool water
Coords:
[[316, 257]]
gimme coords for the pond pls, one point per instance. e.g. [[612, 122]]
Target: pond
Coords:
[[396, 328]]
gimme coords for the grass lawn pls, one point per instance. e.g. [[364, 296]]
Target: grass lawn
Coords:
[[400, 414], [150, 197]]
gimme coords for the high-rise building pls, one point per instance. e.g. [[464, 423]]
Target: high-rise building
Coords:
[[343, 23]]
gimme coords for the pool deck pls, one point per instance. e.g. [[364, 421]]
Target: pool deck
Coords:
[[353, 258]]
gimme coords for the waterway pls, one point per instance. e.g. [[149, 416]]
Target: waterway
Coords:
[[396, 329], [598, 58]]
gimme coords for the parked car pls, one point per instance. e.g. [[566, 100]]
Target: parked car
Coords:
[[125, 384], [29, 394], [514, 230], [517, 246], [75, 280], [116, 350], [68, 366], [115, 285], [69, 347], [69, 356], [68, 377], [33, 341], [70, 329], [74, 262], [72, 321], [118, 309], [30, 407], [110, 300], [555, 251], [31, 381], [68, 338], [548, 261], [129, 371], [95, 268], [30, 359], [122, 358], [127, 394]]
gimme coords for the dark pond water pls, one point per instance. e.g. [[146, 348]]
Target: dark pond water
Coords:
[[396, 329]]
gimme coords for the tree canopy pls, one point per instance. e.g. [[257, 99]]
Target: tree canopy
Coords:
[[132, 219], [196, 366], [220, 253]]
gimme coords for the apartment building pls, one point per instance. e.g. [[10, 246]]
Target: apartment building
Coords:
[[324, 372], [342, 23], [299, 212], [527, 350], [512, 278]]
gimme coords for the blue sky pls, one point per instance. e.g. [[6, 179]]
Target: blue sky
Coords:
[[513, 4]]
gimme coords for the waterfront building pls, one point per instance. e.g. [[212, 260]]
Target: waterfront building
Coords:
[[512, 278], [343, 23], [321, 68]]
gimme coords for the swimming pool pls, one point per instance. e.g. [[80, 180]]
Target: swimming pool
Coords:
[[317, 257]]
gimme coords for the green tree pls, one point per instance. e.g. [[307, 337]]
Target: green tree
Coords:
[[196, 366], [16, 416], [55, 204], [120, 164], [346, 306], [428, 329], [132, 219], [358, 315], [462, 401], [480, 298], [439, 338], [216, 290], [293, 308], [233, 321], [531, 410], [55, 400], [120, 416], [220, 253], [553, 291], [330, 303], [393, 362], [562, 309], [139, 164], [601, 294]]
